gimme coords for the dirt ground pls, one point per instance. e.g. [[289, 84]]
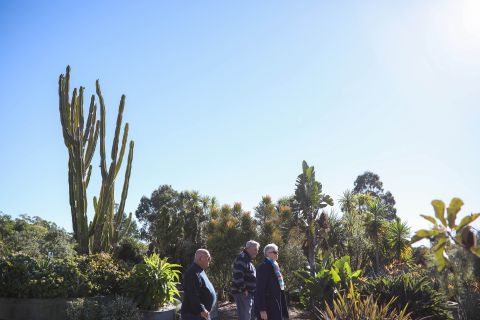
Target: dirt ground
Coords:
[[227, 311]]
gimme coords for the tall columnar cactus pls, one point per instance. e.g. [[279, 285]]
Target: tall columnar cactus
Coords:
[[107, 227], [80, 140]]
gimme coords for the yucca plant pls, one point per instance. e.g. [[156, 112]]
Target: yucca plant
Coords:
[[351, 306], [153, 284]]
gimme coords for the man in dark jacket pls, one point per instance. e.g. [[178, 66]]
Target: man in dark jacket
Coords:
[[199, 294], [243, 280]]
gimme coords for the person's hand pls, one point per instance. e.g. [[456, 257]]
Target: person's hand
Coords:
[[263, 315], [204, 314]]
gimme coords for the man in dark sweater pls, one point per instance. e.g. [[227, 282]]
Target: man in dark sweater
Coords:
[[243, 280], [199, 294]]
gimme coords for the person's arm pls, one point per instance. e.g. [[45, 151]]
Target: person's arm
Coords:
[[193, 283], [262, 278]]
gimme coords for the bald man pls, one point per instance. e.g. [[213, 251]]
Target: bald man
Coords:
[[199, 294]]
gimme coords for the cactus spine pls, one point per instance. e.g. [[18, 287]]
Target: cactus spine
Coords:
[[107, 227]]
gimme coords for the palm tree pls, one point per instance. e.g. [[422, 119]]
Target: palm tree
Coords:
[[374, 226], [398, 234], [356, 245], [348, 202], [309, 200]]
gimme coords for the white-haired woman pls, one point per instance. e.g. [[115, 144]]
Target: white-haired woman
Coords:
[[270, 302]]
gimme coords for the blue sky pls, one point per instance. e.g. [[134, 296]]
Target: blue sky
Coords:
[[228, 98]]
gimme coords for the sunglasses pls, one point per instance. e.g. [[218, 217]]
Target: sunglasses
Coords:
[[274, 252]]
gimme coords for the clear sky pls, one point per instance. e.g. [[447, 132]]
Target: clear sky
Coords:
[[228, 97]]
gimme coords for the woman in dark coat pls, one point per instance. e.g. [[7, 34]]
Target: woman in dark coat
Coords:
[[270, 302]]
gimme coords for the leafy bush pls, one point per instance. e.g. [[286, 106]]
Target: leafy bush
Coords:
[[75, 309], [74, 280], [15, 275], [104, 275], [85, 309], [353, 307], [292, 259], [153, 283], [44, 282], [25, 277], [120, 308], [460, 284], [131, 251], [412, 291], [322, 287]]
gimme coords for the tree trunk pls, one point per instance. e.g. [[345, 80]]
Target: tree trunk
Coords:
[[377, 258], [311, 252]]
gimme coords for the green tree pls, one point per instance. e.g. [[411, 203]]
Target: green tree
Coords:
[[335, 244], [348, 202], [309, 200], [398, 237], [370, 183], [34, 236], [374, 225], [269, 222], [174, 223], [227, 233], [357, 245]]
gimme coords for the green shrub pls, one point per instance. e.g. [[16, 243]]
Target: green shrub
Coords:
[[16, 272], [153, 284], [25, 277], [104, 275], [75, 281], [120, 308], [45, 282], [291, 260], [322, 287], [74, 309], [414, 291], [85, 309], [131, 251]]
